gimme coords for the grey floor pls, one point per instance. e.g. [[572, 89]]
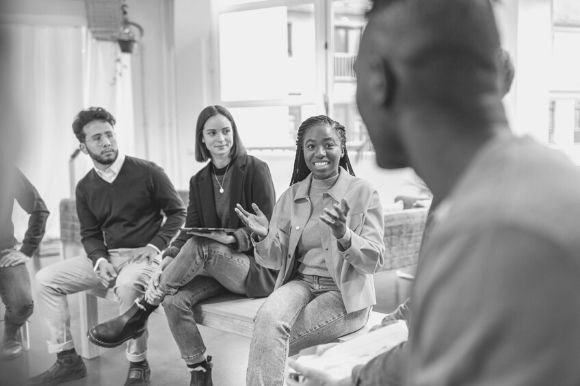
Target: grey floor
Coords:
[[230, 351]]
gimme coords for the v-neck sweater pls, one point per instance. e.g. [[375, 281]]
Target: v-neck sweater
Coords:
[[129, 212]]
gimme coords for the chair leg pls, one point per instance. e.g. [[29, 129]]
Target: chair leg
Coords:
[[25, 336]]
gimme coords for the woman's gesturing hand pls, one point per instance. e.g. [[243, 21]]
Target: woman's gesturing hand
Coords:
[[257, 222], [335, 218]]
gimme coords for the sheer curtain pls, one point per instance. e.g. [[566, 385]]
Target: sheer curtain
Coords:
[[56, 71]]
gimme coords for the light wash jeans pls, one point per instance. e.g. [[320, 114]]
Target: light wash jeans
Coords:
[[74, 275], [304, 312], [16, 295], [203, 268]]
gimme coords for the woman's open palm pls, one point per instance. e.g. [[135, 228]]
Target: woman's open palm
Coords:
[[257, 222]]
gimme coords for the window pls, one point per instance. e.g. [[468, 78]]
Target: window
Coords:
[[282, 61]]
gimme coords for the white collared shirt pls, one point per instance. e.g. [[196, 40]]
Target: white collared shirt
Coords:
[[110, 174]]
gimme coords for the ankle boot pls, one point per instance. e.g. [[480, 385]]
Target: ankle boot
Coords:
[[68, 367], [201, 376], [129, 325], [12, 344]]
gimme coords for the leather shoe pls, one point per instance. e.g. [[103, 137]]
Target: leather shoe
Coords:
[[129, 325], [11, 349], [138, 375], [68, 367], [202, 376]]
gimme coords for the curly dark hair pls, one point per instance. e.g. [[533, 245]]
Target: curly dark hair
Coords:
[[89, 115], [300, 170]]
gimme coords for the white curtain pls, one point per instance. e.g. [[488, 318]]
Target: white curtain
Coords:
[[55, 72]]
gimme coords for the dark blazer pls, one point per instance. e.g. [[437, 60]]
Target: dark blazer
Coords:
[[252, 183]]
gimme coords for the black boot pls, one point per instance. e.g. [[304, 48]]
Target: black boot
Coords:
[[12, 345], [130, 325], [201, 374], [69, 366]]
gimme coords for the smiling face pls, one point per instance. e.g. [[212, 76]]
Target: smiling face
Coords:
[[100, 143], [322, 150], [218, 136]]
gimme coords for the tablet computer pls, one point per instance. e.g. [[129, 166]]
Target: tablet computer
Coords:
[[228, 231]]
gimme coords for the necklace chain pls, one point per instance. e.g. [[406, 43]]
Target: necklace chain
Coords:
[[221, 184]]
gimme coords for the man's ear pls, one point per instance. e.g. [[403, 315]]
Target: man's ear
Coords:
[[83, 147], [381, 82]]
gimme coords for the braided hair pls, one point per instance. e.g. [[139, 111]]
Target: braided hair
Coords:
[[300, 170]]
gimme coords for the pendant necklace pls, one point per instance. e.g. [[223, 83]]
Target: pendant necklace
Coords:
[[221, 184]]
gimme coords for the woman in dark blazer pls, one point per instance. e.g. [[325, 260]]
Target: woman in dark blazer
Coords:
[[202, 264]]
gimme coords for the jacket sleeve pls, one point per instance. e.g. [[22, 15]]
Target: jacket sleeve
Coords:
[[273, 249], [367, 248], [262, 194], [170, 203], [29, 200], [192, 220], [388, 368]]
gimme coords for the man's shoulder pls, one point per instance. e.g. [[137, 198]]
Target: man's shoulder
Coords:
[[135, 162]]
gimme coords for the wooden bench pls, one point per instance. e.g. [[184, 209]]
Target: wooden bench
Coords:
[[235, 314]]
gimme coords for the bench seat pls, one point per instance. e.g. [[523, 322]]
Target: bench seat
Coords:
[[235, 314]]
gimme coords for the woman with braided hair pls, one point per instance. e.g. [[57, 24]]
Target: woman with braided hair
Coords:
[[326, 239]]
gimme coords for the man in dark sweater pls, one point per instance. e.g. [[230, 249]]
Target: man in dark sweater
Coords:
[[14, 278], [129, 211]]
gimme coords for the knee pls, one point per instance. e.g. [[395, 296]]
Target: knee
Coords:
[[267, 320], [176, 303], [45, 278], [23, 311]]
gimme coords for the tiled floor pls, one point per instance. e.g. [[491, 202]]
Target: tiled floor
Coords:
[[229, 351]]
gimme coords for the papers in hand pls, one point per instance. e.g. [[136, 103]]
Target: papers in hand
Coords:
[[342, 358]]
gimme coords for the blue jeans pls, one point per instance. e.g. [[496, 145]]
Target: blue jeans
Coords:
[[203, 268], [16, 295], [304, 312]]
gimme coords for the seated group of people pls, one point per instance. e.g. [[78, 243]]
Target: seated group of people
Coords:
[[312, 253], [500, 256]]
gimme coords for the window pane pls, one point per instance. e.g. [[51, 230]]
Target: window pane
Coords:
[[267, 53], [566, 61], [267, 127], [349, 21]]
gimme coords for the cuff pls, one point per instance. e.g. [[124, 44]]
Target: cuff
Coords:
[[28, 250], [344, 242], [98, 262], [170, 252], [154, 247], [255, 239]]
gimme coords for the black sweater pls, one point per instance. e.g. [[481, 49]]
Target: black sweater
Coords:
[[128, 213]]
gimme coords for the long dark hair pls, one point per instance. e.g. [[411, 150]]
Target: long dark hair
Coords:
[[201, 152], [300, 170]]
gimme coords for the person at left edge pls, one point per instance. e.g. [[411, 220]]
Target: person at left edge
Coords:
[[14, 277], [128, 211]]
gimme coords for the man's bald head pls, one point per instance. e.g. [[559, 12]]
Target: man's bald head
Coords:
[[429, 55]]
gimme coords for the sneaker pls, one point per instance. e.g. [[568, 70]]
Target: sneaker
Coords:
[[201, 375], [139, 374], [68, 367]]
